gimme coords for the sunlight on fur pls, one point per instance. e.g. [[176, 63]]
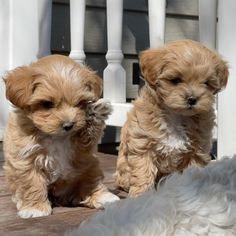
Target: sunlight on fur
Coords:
[[170, 126], [52, 134]]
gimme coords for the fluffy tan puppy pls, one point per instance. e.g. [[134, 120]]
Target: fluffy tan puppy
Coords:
[[170, 125], [52, 134]]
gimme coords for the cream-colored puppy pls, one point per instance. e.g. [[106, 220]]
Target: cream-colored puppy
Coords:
[[170, 126], [51, 136]]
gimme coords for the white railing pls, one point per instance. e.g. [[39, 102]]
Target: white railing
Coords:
[[114, 82], [77, 20], [25, 36], [226, 101], [207, 22], [114, 74]]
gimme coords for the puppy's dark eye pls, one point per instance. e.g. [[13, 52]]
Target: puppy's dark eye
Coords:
[[212, 87], [47, 104], [209, 85], [176, 81]]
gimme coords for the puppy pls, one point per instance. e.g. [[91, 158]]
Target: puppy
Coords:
[[51, 136], [170, 125]]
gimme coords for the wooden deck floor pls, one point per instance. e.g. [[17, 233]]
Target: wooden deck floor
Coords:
[[62, 218]]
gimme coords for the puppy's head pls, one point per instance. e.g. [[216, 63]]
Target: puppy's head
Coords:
[[185, 74], [54, 93]]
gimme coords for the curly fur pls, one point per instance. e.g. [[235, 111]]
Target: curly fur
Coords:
[[201, 201], [170, 126], [51, 136]]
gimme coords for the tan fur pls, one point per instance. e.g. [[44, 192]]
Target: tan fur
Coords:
[[42, 159], [163, 132]]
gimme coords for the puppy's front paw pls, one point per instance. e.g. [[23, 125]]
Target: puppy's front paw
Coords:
[[100, 110], [28, 212], [105, 198]]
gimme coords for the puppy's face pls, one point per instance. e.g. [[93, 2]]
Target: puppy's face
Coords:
[[185, 75], [54, 93]]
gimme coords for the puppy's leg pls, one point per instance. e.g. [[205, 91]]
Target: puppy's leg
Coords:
[[97, 113], [143, 174], [122, 169], [200, 159], [32, 196], [100, 110], [135, 173], [91, 191], [100, 197]]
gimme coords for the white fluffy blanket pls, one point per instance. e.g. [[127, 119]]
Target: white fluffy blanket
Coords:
[[198, 202]]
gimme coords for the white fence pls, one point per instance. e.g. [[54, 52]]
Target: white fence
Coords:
[[25, 36]]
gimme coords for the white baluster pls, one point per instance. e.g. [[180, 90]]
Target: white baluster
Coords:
[[156, 15], [207, 22], [24, 33], [114, 75], [77, 20], [226, 100], [4, 60], [44, 18], [19, 37], [207, 29]]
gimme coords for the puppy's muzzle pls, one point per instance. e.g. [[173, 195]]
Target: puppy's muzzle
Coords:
[[191, 101], [68, 126]]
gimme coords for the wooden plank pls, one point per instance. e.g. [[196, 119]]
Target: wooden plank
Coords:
[[135, 30], [106, 160], [3, 187], [98, 63], [1, 159], [184, 7], [108, 181], [107, 163], [1, 152], [61, 1], [1, 168], [60, 28], [181, 29], [135, 34], [55, 224], [62, 218], [7, 207], [131, 75]]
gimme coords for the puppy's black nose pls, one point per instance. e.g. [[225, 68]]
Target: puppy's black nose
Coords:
[[68, 126], [192, 101]]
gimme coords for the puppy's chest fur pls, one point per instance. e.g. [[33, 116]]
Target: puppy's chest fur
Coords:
[[59, 157], [174, 134]]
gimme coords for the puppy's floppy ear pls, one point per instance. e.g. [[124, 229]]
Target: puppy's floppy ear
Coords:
[[222, 73], [96, 85], [91, 81], [19, 86], [151, 64]]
